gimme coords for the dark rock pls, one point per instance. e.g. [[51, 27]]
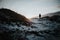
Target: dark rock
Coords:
[[9, 15]]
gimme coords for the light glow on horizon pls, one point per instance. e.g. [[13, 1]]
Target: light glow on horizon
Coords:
[[31, 8]]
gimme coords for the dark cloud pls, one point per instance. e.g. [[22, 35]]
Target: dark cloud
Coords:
[[1, 0]]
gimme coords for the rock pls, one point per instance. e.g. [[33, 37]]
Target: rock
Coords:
[[9, 15]]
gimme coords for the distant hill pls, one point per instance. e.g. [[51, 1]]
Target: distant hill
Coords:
[[53, 16]]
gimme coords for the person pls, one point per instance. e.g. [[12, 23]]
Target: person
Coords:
[[39, 15]]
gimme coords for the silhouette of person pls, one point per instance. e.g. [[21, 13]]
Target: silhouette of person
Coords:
[[39, 15]]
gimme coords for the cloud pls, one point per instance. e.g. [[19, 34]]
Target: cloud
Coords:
[[1, 0]]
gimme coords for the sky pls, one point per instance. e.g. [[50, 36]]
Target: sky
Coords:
[[31, 8]]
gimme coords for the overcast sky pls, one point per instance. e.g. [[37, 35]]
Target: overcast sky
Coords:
[[31, 8]]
